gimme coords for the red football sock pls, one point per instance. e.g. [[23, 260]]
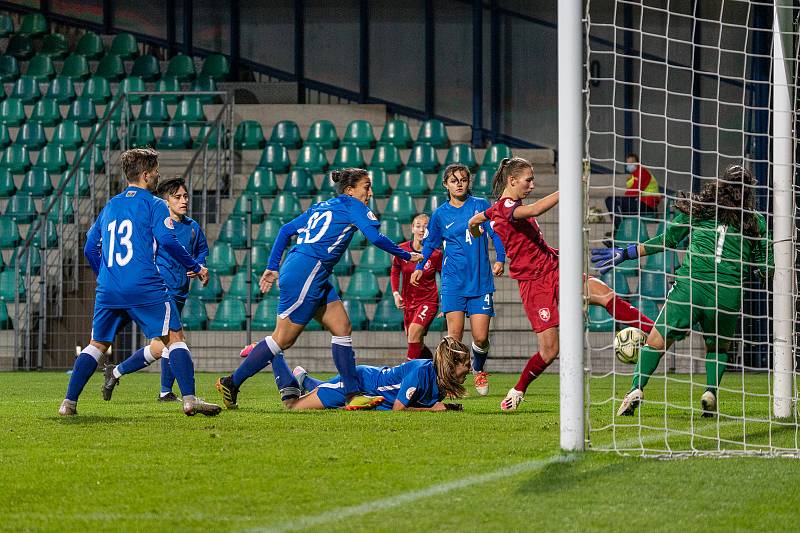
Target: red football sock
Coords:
[[624, 312], [426, 353], [535, 366], [414, 349]]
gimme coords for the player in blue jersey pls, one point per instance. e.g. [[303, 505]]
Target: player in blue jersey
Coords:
[[324, 232], [191, 237], [417, 385], [120, 248], [467, 282]]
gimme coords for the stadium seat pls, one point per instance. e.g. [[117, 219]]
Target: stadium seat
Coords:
[[124, 46], [20, 46], [482, 182], [32, 136], [40, 68], [205, 84], [169, 84], [54, 46], [649, 307], [266, 316], [312, 158], [26, 90], [141, 135], [434, 133], [37, 183], [666, 261], [9, 233], [359, 241], [92, 160], [600, 320], [11, 286], [111, 68], [357, 312], [234, 232], [24, 266], [249, 203], [286, 133], [346, 265], [230, 316], [5, 319], [182, 67], [433, 201], [328, 186], [68, 135], [262, 182], [620, 283], [494, 155], [249, 136], [359, 133], [6, 25], [653, 285], [16, 159], [129, 85], [438, 324], [64, 212], [190, 111], [373, 206], [259, 257], [52, 158], [7, 186], [213, 136], [267, 232], [83, 112], [12, 112], [33, 25], [348, 156], [380, 182], [392, 229], [221, 259], [97, 90], [46, 112], [90, 46], [631, 230], [21, 208], [50, 236], [176, 136], [285, 207], [154, 111], [78, 184], [9, 68], [238, 288], [216, 67], [363, 286], [423, 156], [146, 67], [462, 154], [76, 68], [103, 137], [276, 158], [323, 133], [386, 157], [5, 136], [210, 293], [116, 110], [396, 133], [300, 182], [194, 316], [61, 89], [400, 207], [376, 261], [413, 182], [387, 316]]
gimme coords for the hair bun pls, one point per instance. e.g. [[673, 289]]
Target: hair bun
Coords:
[[336, 176]]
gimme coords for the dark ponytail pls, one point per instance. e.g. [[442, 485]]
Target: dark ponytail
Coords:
[[508, 167], [347, 177]]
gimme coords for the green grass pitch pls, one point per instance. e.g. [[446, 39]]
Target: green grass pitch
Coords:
[[136, 465]]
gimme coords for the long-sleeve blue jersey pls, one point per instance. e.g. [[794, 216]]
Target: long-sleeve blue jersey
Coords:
[[191, 237], [466, 267], [121, 246], [413, 383]]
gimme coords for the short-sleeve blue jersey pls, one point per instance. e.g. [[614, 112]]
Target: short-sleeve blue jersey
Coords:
[[121, 247], [191, 237], [412, 383], [466, 266]]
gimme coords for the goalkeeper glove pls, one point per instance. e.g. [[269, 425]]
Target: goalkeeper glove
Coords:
[[604, 259]]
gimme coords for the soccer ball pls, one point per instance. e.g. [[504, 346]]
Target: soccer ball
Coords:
[[627, 344]]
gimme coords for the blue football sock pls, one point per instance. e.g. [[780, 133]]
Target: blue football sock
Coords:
[[85, 365], [167, 377], [257, 360], [345, 360], [310, 383], [284, 378], [140, 359], [479, 357], [180, 361]]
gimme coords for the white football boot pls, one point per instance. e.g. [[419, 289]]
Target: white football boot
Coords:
[[630, 402], [512, 400]]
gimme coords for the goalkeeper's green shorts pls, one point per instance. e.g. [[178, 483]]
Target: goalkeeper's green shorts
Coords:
[[713, 308]]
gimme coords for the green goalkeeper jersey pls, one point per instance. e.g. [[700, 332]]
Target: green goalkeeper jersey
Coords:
[[717, 253]]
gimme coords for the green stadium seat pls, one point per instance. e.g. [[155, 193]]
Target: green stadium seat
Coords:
[[146, 67], [462, 154], [620, 283], [13, 287], [238, 288], [210, 293], [249, 203], [6, 25], [20, 46], [348, 156], [386, 157], [376, 261], [276, 158], [216, 67], [439, 324], [230, 316], [9, 233], [116, 110], [64, 212], [482, 182], [300, 182], [27, 90], [649, 307], [423, 156], [78, 184], [433, 202], [97, 89], [182, 67], [312, 158], [9, 68], [132, 84], [359, 133], [68, 135], [363, 286], [169, 84], [213, 136], [141, 135], [434, 133], [387, 316], [176, 136], [16, 159], [90, 46], [33, 25], [37, 183], [32, 136], [61, 89], [285, 207], [346, 265], [413, 182], [328, 186], [631, 230], [46, 112], [392, 229], [50, 236], [7, 187], [111, 68], [400, 207], [125, 46], [373, 206], [323, 133], [262, 182], [359, 241], [21, 208], [40, 68], [222, 259], [494, 155], [76, 68], [190, 111], [205, 84], [600, 321], [249, 136], [93, 160], [267, 232], [266, 316], [154, 111], [12, 112], [396, 133], [5, 136], [52, 158], [653, 285], [380, 182], [54, 46], [234, 232], [259, 257], [194, 316], [83, 112], [286, 133], [24, 266], [357, 312], [5, 319]]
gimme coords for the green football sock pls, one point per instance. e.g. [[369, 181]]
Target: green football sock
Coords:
[[716, 363], [647, 364]]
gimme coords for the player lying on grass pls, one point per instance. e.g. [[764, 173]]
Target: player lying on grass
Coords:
[[419, 302], [726, 237], [119, 248], [417, 385], [534, 264], [191, 237], [324, 232]]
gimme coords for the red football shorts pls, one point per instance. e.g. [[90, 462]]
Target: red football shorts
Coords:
[[540, 300], [422, 314]]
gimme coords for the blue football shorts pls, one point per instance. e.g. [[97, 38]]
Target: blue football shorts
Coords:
[[471, 305], [155, 320], [304, 288]]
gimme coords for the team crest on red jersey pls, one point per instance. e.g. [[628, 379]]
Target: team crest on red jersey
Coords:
[[544, 314]]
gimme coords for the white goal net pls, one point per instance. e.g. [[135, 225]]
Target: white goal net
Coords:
[[691, 87]]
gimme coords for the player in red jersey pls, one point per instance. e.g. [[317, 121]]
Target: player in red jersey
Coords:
[[419, 303], [534, 264]]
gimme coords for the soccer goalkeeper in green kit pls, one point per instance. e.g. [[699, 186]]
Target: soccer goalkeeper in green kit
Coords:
[[726, 237]]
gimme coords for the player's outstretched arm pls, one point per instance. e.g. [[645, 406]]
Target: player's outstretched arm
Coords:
[[537, 208], [93, 248]]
